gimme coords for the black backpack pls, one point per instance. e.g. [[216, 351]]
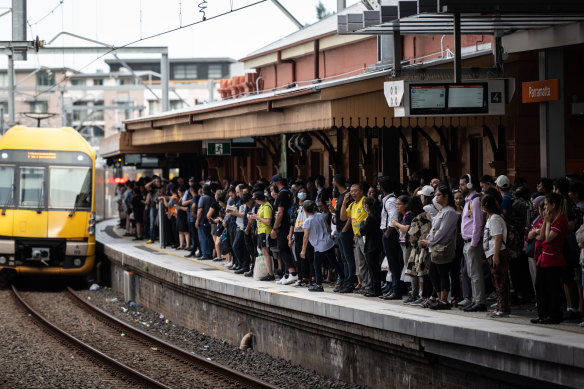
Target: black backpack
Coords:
[[514, 241]]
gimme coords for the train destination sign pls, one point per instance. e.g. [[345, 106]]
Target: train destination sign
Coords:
[[46, 157]]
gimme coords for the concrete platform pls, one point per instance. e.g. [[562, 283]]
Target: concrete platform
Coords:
[[509, 350]]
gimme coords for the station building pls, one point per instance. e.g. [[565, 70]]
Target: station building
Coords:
[[313, 102]]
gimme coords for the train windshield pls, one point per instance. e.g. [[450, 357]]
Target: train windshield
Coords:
[[6, 186], [69, 187], [31, 186]]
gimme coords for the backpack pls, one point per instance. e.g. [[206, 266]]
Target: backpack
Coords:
[[291, 201], [519, 213], [514, 241]]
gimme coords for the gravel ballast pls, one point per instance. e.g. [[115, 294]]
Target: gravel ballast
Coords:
[[275, 371]]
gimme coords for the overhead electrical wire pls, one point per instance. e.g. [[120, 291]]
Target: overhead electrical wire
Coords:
[[47, 15], [114, 48]]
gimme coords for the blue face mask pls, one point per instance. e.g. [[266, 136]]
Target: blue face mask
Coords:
[[302, 196]]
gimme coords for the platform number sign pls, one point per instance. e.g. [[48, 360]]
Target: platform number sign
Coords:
[[496, 97], [222, 148]]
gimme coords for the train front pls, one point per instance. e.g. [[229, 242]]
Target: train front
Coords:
[[47, 212]]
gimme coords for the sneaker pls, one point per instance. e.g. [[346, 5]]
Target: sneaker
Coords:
[[299, 283], [464, 303], [410, 299], [418, 302], [149, 241], [316, 288], [440, 306], [497, 314], [337, 289], [241, 271], [249, 273], [269, 277], [289, 280], [281, 280], [346, 289]]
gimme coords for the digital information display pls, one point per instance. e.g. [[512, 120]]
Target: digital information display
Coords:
[[427, 96], [448, 99], [466, 96]]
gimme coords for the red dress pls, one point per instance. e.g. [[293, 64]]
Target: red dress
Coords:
[[552, 252]]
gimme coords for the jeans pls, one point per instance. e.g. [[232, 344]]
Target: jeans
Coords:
[[239, 249], [345, 244], [205, 240], [153, 224], [474, 267], [392, 250]]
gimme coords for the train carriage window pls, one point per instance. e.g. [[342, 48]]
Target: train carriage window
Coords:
[[69, 187], [32, 181], [6, 186]]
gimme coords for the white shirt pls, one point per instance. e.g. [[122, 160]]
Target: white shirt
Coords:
[[389, 211], [495, 226]]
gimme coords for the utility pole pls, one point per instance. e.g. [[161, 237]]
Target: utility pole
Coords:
[[11, 120]]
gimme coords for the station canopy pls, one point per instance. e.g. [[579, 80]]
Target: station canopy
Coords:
[[433, 17]]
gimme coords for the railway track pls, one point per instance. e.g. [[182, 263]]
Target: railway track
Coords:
[[128, 351]]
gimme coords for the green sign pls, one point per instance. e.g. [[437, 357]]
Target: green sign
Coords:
[[223, 148]]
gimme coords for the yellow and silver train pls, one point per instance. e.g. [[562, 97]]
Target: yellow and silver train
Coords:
[[47, 202]]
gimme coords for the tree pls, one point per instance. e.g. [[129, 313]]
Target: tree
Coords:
[[321, 11]]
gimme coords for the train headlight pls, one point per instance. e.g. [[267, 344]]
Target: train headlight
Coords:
[[4, 155], [92, 220], [91, 230], [3, 260], [77, 262]]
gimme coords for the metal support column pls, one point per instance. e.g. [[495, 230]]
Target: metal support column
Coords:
[[457, 49], [63, 112], [397, 48], [19, 27], [11, 120], [161, 216], [283, 165], [164, 72], [552, 119]]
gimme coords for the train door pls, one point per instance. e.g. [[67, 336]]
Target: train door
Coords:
[[7, 192], [32, 216]]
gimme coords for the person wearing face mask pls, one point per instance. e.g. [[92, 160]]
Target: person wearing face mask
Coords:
[[441, 241], [295, 236]]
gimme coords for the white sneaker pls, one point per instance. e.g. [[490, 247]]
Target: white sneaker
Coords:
[[281, 280], [290, 280], [464, 303], [197, 253]]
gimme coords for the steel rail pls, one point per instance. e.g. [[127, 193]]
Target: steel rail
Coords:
[[184, 355], [85, 348]]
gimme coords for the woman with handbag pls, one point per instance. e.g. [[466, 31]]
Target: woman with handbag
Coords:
[[442, 242]]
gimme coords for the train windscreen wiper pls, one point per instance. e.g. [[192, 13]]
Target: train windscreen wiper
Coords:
[[9, 199], [40, 200]]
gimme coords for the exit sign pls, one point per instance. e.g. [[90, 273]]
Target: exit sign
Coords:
[[219, 148]]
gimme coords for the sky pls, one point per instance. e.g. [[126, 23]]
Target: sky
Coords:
[[120, 22]]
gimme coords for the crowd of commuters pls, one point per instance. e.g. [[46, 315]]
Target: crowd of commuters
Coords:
[[429, 243]]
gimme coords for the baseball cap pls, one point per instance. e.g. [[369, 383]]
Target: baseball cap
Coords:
[[503, 182], [427, 190], [538, 201], [276, 178]]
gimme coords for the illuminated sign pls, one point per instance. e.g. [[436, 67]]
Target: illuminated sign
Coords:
[[441, 98], [41, 155]]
